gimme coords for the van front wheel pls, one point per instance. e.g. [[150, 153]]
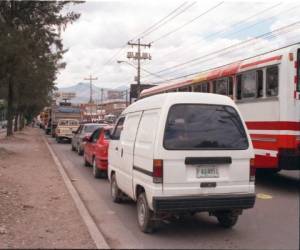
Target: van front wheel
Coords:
[[144, 214], [227, 219]]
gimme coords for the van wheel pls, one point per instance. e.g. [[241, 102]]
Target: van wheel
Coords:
[[72, 148], [116, 193], [227, 219], [58, 140], [144, 214], [97, 173]]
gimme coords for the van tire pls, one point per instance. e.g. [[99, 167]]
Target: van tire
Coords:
[[227, 219], [115, 192], [144, 214]]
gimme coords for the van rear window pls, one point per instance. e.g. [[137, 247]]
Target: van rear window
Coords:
[[204, 127]]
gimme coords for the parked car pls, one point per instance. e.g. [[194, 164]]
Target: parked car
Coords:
[[84, 130], [96, 151], [179, 153], [65, 128]]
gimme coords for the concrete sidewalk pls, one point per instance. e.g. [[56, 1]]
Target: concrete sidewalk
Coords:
[[36, 209]]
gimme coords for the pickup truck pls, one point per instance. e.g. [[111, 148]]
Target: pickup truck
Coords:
[[65, 129]]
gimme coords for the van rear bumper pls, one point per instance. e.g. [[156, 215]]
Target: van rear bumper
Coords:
[[203, 203]]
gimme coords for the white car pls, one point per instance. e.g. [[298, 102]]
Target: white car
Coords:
[[179, 153]]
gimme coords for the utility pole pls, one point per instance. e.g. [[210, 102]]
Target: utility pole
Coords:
[[138, 56], [91, 87]]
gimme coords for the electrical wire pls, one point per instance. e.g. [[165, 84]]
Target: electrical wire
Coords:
[[158, 22], [221, 50], [266, 35], [187, 23], [168, 20], [229, 28]]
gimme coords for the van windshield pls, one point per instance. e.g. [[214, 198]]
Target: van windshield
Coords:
[[204, 127]]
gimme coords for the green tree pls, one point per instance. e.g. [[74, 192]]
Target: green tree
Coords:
[[31, 52]]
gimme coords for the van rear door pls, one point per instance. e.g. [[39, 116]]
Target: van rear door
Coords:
[[205, 150]]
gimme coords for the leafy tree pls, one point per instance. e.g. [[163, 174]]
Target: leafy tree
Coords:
[[31, 52]]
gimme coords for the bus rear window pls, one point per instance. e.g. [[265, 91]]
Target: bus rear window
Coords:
[[204, 127]]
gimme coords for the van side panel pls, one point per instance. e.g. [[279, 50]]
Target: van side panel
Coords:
[[127, 140], [144, 149]]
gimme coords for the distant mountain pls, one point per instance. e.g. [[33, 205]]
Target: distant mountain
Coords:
[[82, 91]]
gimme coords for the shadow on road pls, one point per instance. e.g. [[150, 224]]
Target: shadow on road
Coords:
[[282, 181]]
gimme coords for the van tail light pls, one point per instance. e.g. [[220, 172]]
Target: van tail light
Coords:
[[157, 171], [252, 173]]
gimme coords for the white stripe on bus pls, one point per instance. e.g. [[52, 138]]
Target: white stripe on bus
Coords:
[[263, 152]]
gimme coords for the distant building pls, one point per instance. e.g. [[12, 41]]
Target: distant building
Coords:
[[114, 107]]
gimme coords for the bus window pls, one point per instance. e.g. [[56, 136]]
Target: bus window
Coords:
[[298, 70], [249, 85], [230, 87], [239, 87], [272, 81], [183, 89], [198, 88], [221, 86], [259, 80], [205, 87], [202, 87]]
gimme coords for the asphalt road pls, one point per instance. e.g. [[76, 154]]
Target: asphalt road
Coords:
[[272, 224]]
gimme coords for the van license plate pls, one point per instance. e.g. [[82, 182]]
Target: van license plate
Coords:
[[207, 172]]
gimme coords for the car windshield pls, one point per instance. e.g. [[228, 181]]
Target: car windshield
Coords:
[[73, 122], [206, 127], [63, 123], [91, 128]]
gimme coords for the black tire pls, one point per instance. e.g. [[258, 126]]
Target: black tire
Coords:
[[227, 219], [58, 140], [86, 163], [72, 147], [97, 173], [79, 151], [115, 192], [144, 214]]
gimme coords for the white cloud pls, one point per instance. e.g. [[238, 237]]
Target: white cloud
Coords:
[[104, 27]]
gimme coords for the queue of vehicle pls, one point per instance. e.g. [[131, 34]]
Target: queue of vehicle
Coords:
[[173, 154]]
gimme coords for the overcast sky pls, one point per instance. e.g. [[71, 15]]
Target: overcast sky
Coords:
[[106, 26]]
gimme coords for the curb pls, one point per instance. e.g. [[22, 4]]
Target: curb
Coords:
[[94, 232]]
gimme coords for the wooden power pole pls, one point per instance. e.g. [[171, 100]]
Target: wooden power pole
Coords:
[[138, 56], [91, 79]]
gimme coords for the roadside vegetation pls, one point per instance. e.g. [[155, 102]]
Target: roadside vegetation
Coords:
[[31, 52]]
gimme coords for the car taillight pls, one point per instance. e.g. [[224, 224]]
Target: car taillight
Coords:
[[252, 174], [157, 171]]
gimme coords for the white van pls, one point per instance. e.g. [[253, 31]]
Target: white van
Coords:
[[175, 153]]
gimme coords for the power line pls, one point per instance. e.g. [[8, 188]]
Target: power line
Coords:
[[158, 22], [231, 46], [265, 35], [187, 23], [233, 25], [224, 65], [168, 20]]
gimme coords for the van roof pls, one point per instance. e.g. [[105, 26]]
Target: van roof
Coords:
[[160, 100]]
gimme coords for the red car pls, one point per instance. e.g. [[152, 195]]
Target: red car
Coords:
[[96, 151]]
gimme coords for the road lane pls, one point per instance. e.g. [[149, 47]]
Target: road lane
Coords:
[[272, 224]]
